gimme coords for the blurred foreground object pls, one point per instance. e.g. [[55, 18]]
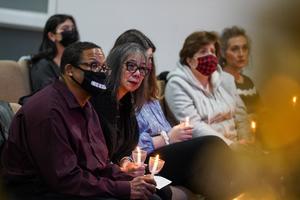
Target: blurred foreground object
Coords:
[[280, 115]]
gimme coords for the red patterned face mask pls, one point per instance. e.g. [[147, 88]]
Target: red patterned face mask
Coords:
[[207, 64]]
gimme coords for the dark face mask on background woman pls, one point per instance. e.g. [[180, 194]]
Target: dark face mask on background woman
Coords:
[[207, 64], [69, 37]]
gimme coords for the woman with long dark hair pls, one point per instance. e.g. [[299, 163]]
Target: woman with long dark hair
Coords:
[[60, 31]]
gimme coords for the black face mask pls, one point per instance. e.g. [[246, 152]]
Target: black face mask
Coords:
[[69, 37], [93, 82]]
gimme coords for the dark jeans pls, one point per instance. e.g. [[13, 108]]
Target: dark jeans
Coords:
[[204, 165]]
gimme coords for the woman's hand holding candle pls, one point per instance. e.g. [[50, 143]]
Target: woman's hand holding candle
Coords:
[[180, 133]]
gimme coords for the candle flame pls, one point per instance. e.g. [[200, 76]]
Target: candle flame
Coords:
[[155, 165], [253, 125]]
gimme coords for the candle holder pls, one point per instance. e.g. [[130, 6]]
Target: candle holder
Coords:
[[139, 156], [155, 164]]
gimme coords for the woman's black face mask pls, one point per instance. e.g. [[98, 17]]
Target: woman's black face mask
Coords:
[[69, 37]]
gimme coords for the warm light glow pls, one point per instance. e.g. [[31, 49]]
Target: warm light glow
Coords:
[[294, 100], [239, 197], [155, 165], [139, 156], [253, 126]]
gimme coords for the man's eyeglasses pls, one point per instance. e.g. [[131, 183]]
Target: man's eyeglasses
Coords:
[[133, 67], [96, 66]]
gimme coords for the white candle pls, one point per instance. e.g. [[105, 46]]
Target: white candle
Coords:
[[155, 165], [139, 156], [187, 121], [208, 116]]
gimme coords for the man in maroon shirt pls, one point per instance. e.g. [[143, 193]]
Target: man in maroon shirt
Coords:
[[56, 148]]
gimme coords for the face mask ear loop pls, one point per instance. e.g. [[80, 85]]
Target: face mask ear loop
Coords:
[[74, 78]]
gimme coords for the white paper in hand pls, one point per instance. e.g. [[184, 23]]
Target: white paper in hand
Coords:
[[161, 182]]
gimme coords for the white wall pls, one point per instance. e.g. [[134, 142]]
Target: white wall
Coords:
[[166, 22]]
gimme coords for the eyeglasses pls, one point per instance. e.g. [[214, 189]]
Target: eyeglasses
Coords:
[[96, 66], [133, 67]]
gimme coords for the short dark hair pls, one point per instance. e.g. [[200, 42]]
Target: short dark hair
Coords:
[[73, 53], [196, 41], [136, 36], [115, 60]]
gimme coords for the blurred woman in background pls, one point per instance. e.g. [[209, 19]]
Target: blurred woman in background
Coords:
[[59, 32], [199, 89], [235, 50]]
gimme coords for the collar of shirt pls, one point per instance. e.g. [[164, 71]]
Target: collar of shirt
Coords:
[[71, 101]]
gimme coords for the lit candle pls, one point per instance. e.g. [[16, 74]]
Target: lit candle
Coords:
[[155, 165], [253, 128], [187, 121], [294, 100], [139, 156]]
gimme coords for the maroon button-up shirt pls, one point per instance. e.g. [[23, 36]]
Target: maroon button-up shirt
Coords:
[[55, 139]]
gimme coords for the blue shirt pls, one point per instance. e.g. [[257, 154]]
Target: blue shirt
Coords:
[[151, 121]]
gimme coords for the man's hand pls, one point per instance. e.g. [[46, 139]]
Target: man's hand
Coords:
[[133, 169], [142, 187]]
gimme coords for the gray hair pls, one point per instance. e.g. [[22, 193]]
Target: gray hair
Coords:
[[115, 60]]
